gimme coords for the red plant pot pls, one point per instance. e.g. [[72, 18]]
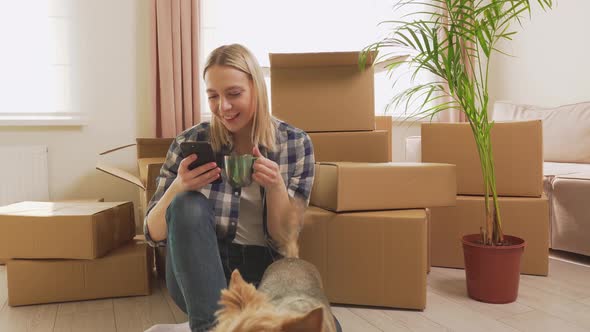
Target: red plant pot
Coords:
[[492, 272]]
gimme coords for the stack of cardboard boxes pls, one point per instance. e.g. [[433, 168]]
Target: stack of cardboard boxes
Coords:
[[67, 251], [151, 154], [517, 148], [366, 228]]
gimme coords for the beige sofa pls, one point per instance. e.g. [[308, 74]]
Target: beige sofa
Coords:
[[566, 167]]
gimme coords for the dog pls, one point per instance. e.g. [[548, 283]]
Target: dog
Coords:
[[290, 298]]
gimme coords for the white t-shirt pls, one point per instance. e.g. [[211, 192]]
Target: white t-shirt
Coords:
[[249, 230]]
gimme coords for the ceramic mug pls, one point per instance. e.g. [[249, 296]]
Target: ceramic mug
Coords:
[[238, 169]]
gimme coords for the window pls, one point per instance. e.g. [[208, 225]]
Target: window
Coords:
[[279, 26], [35, 62]]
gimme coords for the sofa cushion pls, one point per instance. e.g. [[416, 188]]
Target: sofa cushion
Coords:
[[564, 169], [566, 129]]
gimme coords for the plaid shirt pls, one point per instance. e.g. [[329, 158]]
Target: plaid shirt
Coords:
[[294, 156]]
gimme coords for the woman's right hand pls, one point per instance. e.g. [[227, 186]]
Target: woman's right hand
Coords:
[[195, 179]]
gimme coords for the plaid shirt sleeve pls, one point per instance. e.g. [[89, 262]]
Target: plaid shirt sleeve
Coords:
[[302, 180], [167, 175]]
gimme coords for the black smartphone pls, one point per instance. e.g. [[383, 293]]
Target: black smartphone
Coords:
[[204, 152]]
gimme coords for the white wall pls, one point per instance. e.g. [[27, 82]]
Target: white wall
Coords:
[[113, 45], [552, 68], [552, 65]]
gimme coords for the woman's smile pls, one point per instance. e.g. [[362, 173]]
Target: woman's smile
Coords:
[[230, 117]]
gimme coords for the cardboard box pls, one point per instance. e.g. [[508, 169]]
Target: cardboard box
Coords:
[[357, 146], [345, 186], [151, 154], [527, 218], [160, 261], [320, 92], [77, 230], [4, 260], [123, 272], [81, 200], [369, 258], [386, 123], [428, 246], [517, 149]]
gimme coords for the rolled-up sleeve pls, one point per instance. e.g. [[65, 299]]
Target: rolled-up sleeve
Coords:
[[301, 181]]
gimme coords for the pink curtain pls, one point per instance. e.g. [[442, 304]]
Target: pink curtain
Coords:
[[175, 66]]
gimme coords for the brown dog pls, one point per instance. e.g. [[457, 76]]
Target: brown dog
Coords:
[[290, 298]]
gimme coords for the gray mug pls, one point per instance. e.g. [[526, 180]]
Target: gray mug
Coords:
[[238, 169]]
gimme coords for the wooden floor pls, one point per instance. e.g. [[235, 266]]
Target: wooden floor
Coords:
[[560, 302]]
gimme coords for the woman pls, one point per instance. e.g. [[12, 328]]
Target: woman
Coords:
[[212, 229]]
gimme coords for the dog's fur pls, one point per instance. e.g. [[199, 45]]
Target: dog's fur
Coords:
[[290, 298]]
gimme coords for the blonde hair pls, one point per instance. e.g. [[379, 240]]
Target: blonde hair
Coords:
[[263, 128]]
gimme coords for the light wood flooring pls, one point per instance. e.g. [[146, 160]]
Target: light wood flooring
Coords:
[[560, 302]]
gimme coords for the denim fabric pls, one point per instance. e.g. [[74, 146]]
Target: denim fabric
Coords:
[[198, 266]]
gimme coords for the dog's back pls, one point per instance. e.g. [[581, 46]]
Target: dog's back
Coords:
[[294, 285]]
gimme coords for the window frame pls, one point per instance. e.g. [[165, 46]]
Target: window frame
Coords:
[[59, 16]]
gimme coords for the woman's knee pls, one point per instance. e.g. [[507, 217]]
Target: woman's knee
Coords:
[[190, 209]]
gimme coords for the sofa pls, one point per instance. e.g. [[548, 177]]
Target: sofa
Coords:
[[566, 167]]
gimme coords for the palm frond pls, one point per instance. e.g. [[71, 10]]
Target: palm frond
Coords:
[[453, 40]]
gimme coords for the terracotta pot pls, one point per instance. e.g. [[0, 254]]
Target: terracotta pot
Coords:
[[492, 273]]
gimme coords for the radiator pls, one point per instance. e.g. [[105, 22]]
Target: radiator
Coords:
[[23, 174]]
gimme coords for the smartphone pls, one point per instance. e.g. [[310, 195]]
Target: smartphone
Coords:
[[204, 152]]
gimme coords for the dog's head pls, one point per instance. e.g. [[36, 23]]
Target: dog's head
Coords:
[[244, 309]]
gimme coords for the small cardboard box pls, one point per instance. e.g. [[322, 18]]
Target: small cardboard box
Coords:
[[345, 186], [320, 92], [369, 258], [151, 154], [123, 272], [357, 146], [517, 149], [527, 218], [4, 260], [77, 230]]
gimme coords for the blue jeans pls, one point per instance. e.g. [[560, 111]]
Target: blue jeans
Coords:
[[198, 266]]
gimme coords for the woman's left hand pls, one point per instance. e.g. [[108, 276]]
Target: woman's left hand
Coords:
[[266, 172]]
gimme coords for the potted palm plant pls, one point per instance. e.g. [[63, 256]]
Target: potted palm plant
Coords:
[[453, 41]]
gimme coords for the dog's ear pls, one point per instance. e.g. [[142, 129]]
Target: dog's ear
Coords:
[[239, 296], [312, 321], [236, 281]]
